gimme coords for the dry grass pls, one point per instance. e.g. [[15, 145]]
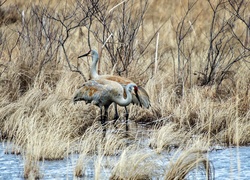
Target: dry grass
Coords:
[[167, 137], [185, 161], [37, 113], [134, 163], [31, 168]]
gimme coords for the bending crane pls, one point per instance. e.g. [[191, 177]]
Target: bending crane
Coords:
[[103, 93]]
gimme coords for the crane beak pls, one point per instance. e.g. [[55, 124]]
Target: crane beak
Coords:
[[136, 94], [87, 54]]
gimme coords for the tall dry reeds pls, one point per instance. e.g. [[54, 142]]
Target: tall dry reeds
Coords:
[[184, 162], [135, 163]]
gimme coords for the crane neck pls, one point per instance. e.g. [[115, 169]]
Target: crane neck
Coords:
[[124, 101], [93, 71]]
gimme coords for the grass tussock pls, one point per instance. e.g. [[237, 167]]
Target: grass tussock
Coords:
[[134, 163], [92, 144], [182, 163], [41, 131], [167, 137]]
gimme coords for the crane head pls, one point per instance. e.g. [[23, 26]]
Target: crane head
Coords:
[[78, 97], [135, 89]]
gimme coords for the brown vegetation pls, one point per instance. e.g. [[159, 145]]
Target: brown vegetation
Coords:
[[198, 82]]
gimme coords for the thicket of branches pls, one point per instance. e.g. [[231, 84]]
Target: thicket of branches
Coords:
[[43, 34], [225, 44], [45, 31]]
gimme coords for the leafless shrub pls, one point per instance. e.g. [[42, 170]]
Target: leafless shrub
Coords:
[[184, 48], [116, 30], [33, 46], [226, 46], [225, 43], [67, 21]]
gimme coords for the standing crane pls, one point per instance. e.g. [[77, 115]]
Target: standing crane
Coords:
[[103, 93], [143, 99]]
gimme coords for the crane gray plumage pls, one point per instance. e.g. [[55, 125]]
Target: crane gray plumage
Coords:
[[103, 93], [141, 98]]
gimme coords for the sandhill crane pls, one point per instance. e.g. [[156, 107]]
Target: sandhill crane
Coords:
[[102, 93], [142, 93]]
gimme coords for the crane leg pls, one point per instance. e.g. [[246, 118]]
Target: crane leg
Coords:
[[116, 114], [103, 120], [126, 116]]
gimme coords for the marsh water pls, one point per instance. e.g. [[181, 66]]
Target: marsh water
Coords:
[[228, 163]]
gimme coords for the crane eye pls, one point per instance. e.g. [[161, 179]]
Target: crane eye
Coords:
[[135, 88]]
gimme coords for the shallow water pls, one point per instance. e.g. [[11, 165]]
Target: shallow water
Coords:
[[229, 163]]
